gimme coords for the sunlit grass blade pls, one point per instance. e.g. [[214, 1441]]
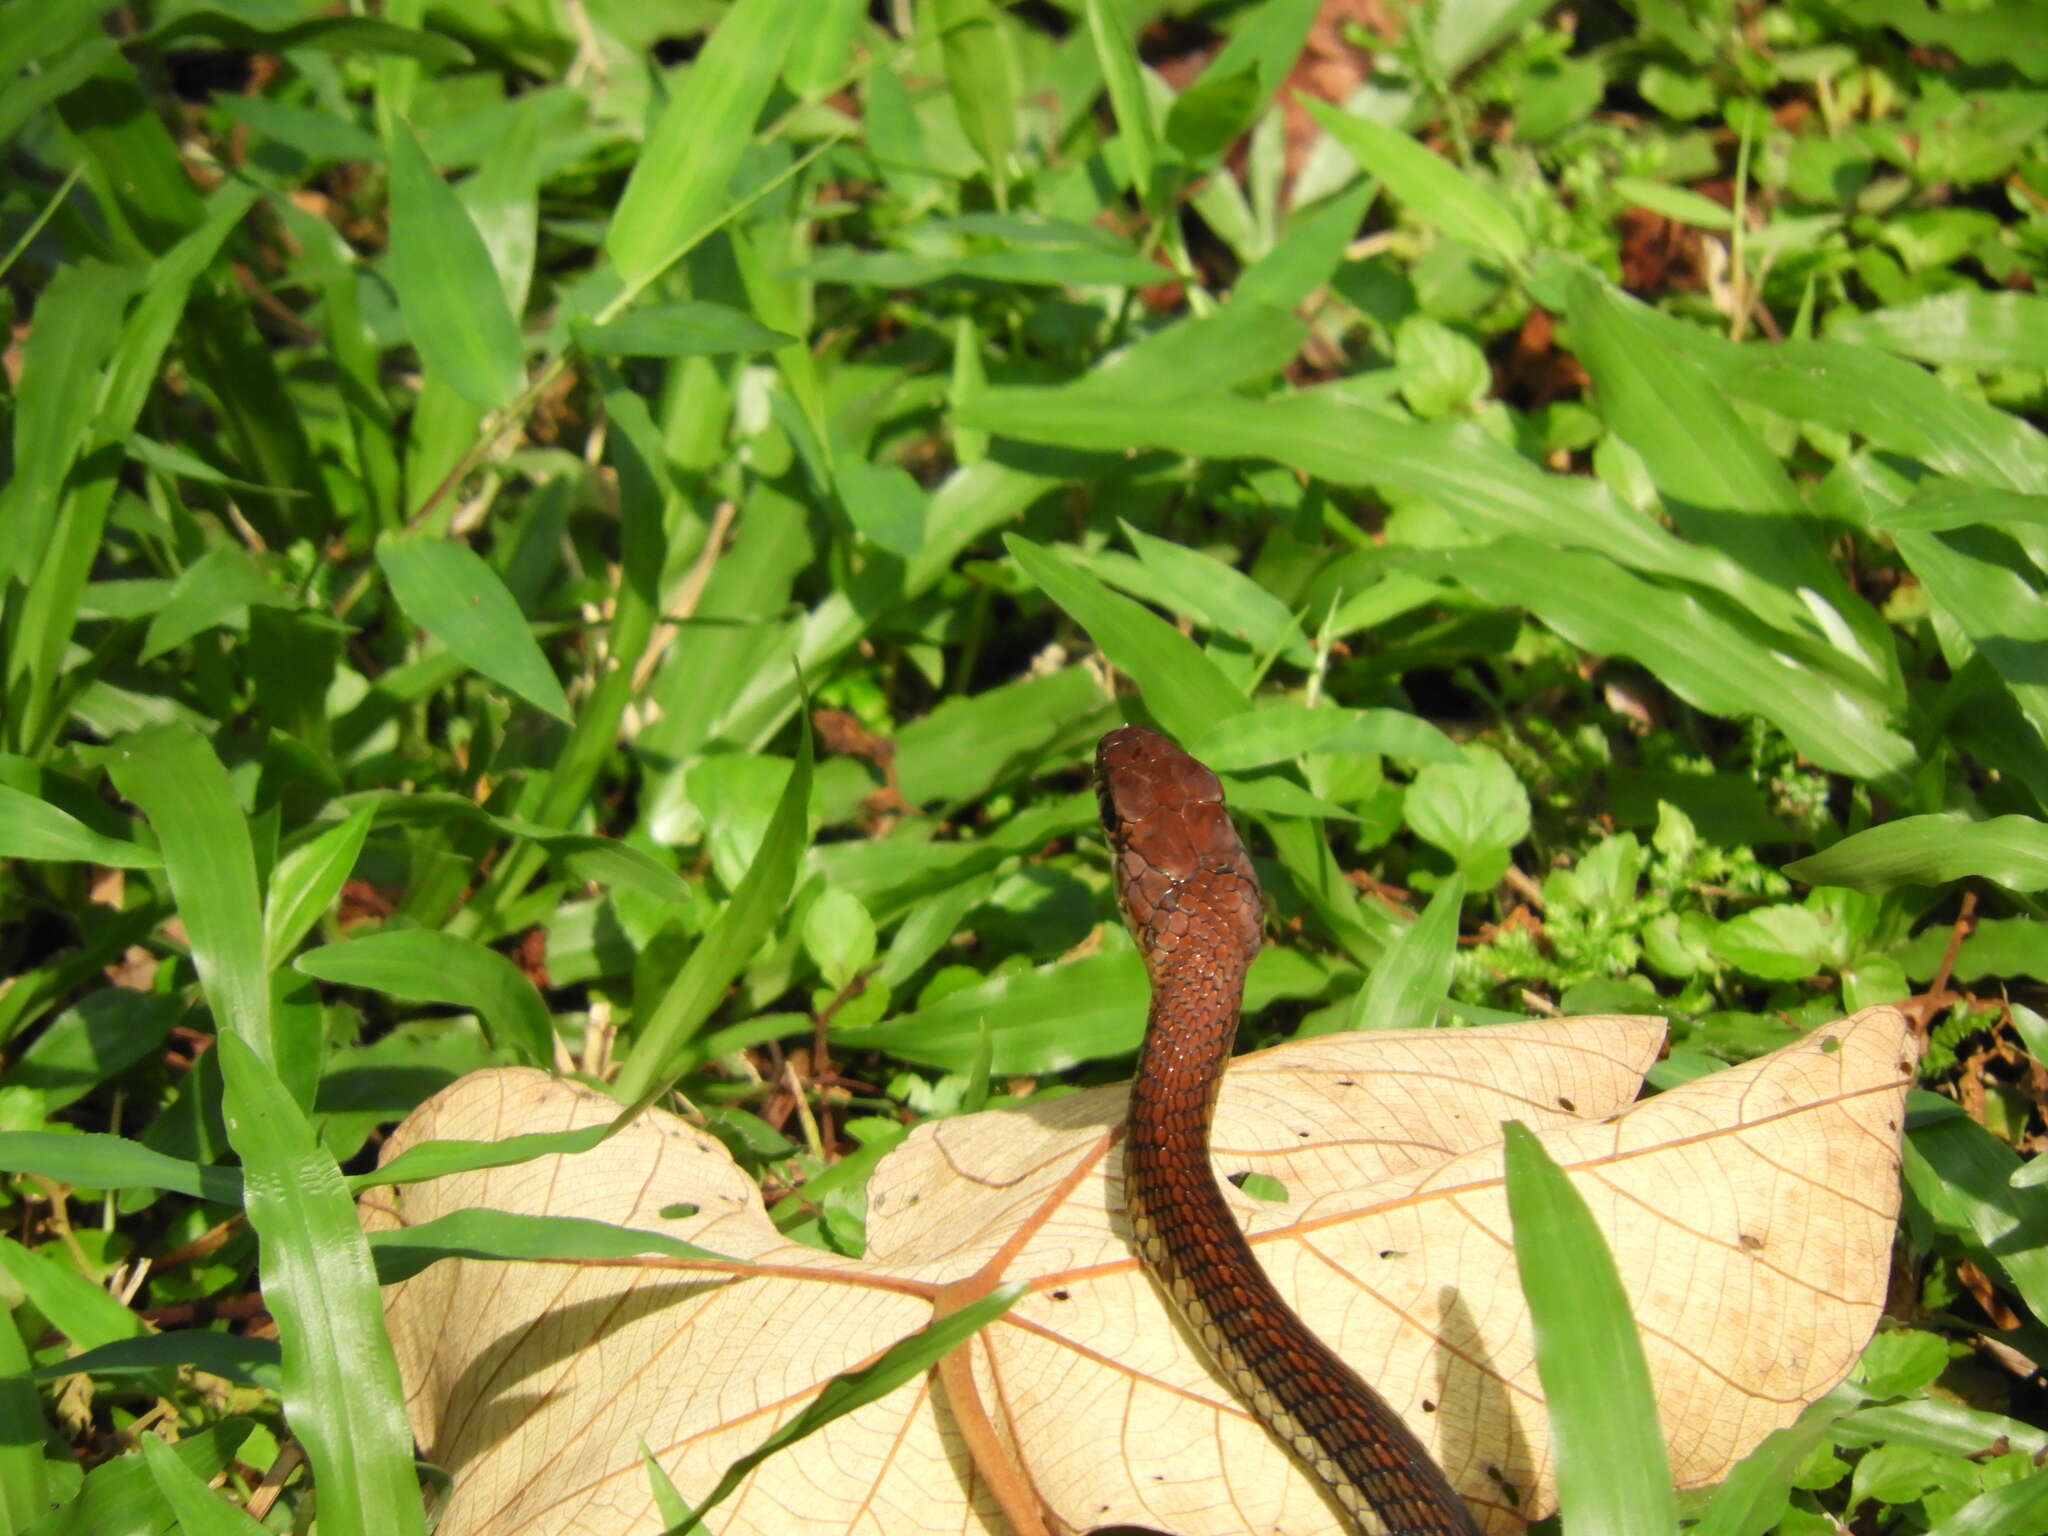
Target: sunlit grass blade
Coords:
[[448, 591], [1433, 188], [1186, 691], [511, 1237], [1751, 1499], [447, 288], [172, 774], [24, 1481], [201, 1511], [342, 1395], [99, 1161], [681, 179], [1407, 988], [431, 966], [982, 82], [1613, 1477], [658, 1050], [35, 829], [306, 881], [1933, 850], [899, 1363]]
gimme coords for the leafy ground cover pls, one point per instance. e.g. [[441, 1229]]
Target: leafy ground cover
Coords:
[[601, 536]]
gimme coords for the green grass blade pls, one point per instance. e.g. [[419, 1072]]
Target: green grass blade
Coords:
[[306, 881], [425, 1160], [1962, 1175], [447, 288], [24, 1482], [1613, 1478], [342, 1394], [512, 1237], [1751, 1499], [95, 1161], [120, 1497], [172, 774], [1186, 691], [680, 183], [899, 1363], [659, 1049], [1933, 850], [1408, 986], [201, 1512], [449, 592], [984, 88], [35, 829], [2020, 1506], [1108, 26], [1436, 190], [430, 966], [231, 1356]]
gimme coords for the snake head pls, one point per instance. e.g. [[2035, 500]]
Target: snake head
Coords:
[[1182, 875]]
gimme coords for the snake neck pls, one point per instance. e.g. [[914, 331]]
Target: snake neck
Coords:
[[1340, 1429]]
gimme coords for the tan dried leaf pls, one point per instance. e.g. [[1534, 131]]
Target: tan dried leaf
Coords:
[[1751, 1213]]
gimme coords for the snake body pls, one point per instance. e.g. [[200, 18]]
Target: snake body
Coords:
[[1192, 900]]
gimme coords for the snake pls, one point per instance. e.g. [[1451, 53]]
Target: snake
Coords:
[[1191, 898]]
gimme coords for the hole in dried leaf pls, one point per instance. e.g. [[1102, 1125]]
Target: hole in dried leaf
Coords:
[[1260, 1186], [1566, 1104]]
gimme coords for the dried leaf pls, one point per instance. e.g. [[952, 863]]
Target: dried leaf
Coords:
[[1750, 1212]]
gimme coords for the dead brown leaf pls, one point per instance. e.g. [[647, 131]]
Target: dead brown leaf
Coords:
[[1751, 1213]]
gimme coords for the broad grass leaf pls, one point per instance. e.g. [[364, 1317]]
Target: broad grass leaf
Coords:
[[334, 34], [32, 828], [201, 1511], [1933, 850], [1407, 988], [663, 1047], [307, 879], [1719, 478], [1680, 203], [1485, 485], [982, 81], [341, 1387], [1108, 27], [447, 288], [438, 1159], [1436, 191], [1962, 1176], [1612, 1473], [680, 328], [217, 588], [119, 1497], [1978, 580], [96, 1161], [1751, 1499], [1183, 688], [448, 591], [1966, 326], [1713, 661], [96, 1038], [426, 965], [1262, 736], [681, 179], [1053, 1017], [1776, 1180], [231, 1356], [24, 1477], [171, 773], [513, 1237], [76, 327]]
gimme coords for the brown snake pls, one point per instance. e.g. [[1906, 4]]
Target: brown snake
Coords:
[[1189, 894]]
